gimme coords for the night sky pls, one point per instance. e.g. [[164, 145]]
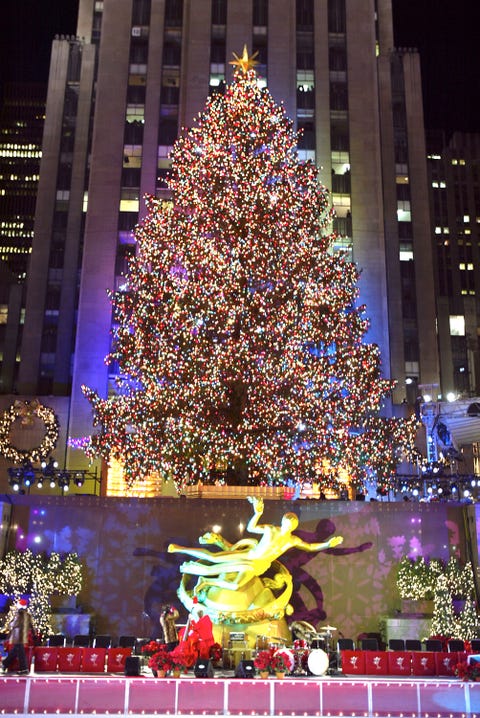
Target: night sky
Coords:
[[443, 31]]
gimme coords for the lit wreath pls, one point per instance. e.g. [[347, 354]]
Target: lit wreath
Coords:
[[26, 411]]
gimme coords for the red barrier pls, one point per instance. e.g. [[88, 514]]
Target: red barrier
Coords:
[[93, 660], [45, 659], [353, 662], [376, 663], [399, 663], [69, 659], [423, 663], [116, 658]]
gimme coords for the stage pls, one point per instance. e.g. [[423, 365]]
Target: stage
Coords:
[[336, 696]]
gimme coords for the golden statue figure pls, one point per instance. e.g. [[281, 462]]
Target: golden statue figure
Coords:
[[231, 582]]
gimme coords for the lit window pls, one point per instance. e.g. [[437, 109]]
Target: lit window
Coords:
[[434, 184], [406, 255], [404, 215], [443, 184], [129, 205], [461, 266], [438, 230], [454, 162], [457, 325], [3, 313], [466, 218]]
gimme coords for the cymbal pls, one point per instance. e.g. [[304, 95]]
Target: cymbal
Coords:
[[328, 628]]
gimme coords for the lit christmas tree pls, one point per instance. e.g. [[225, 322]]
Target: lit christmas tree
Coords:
[[443, 621], [239, 337], [23, 573]]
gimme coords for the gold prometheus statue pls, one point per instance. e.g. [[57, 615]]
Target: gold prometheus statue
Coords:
[[231, 582]]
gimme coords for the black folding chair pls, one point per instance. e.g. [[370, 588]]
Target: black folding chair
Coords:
[[396, 644], [102, 641], [57, 639], [369, 644], [127, 641], [433, 644], [413, 644]]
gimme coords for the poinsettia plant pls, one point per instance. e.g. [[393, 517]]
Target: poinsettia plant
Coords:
[[280, 662], [151, 647], [467, 671], [160, 661], [263, 660], [216, 652], [182, 656]]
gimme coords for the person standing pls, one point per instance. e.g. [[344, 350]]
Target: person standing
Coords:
[[20, 627], [168, 618]]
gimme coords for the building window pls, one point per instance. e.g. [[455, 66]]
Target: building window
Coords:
[[260, 13], [219, 12], [336, 16], [457, 325], [304, 14], [173, 13], [141, 12]]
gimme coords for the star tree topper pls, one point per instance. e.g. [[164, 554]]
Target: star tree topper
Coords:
[[245, 62]]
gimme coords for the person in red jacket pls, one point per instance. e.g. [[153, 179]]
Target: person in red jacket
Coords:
[[201, 634], [199, 631]]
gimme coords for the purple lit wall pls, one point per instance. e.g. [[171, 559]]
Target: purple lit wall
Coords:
[[128, 572]]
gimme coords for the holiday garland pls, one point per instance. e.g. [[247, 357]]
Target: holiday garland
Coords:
[[26, 411]]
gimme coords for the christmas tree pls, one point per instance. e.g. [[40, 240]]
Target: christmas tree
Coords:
[[443, 621], [239, 335]]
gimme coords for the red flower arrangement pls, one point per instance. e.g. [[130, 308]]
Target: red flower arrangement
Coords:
[[216, 652], [182, 657], [160, 661], [280, 662], [263, 660], [152, 647], [467, 671]]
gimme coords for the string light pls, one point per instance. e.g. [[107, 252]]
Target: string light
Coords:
[[25, 573], [239, 324], [25, 413]]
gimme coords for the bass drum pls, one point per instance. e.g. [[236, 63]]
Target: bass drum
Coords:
[[318, 662]]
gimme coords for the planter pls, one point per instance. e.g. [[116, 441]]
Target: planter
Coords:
[[176, 673], [161, 674], [264, 674], [419, 607], [280, 676]]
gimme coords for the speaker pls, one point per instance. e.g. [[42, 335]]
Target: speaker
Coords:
[[132, 666], [245, 669], [203, 668]]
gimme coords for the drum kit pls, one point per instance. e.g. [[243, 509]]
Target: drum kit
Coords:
[[312, 654]]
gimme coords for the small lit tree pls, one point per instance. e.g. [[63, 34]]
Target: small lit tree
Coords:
[[443, 621], [467, 622], [40, 577]]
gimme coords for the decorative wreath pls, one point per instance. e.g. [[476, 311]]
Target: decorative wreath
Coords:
[[26, 411]]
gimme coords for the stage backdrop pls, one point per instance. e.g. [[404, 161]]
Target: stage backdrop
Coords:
[[128, 572]]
